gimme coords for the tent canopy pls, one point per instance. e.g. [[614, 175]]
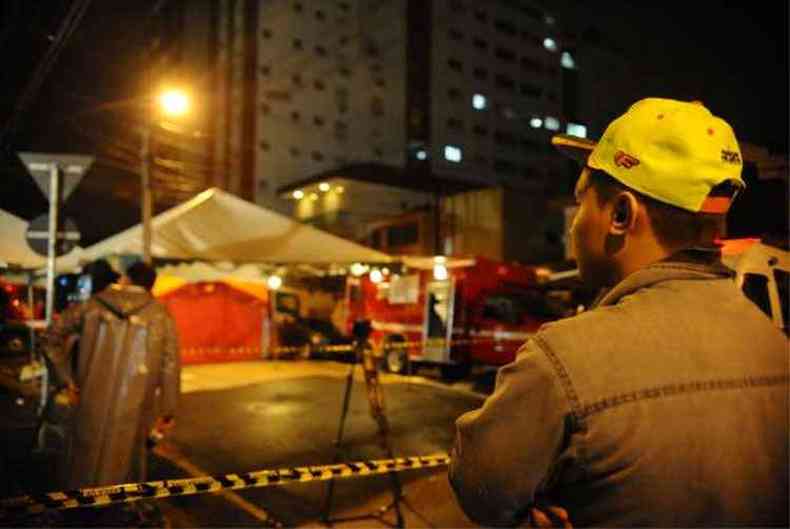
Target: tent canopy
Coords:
[[14, 250], [218, 226]]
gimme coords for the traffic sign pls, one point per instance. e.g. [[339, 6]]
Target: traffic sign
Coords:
[[72, 168], [37, 235]]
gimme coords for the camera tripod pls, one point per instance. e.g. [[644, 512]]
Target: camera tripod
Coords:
[[364, 352]]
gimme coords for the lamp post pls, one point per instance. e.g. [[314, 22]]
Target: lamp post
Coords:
[[173, 103]]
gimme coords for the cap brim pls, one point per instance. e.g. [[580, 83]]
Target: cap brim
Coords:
[[573, 147]]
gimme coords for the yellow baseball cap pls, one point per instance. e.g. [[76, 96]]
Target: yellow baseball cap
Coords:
[[673, 151]]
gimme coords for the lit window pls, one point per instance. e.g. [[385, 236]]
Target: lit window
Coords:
[[549, 20], [536, 123], [422, 155], [550, 44], [452, 153], [323, 186], [552, 123], [575, 129], [567, 61], [479, 102]]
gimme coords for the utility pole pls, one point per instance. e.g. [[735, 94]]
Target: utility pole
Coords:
[[146, 200]]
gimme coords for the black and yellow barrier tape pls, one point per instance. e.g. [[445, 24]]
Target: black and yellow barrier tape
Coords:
[[127, 493]]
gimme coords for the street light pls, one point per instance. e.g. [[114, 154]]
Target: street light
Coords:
[[171, 102]]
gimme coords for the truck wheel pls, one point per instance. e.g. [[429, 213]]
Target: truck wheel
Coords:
[[395, 355], [453, 372]]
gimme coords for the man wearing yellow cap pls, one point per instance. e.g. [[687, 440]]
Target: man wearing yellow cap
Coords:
[[665, 405]]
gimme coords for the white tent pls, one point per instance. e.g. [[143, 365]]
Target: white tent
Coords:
[[218, 226], [14, 250]]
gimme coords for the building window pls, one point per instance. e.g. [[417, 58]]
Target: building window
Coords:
[[454, 34], [265, 146], [454, 93], [319, 15], [381, 83], [265, 109], [456, 65], [505, 167], [505, 54], [317, 156], [531, 90], [297, 44], [531, 65], [455, 123], [266, 70], [480, 44], [318, 121], [378, 153], [344, 6], [266, 33], [297, 79], [575, 129], [505, 138], [295, 152], [298, 7], [344, 40], [536, 122], [319, 85], [504, 81], [481, 15], [295, 116], [551, 123], [530, 144], [480, 130], [566, 60], [479, 102], [481, 74], [320, 51], [550, 44], [344, 71], [503, 26], [453, 153], [421, 154]]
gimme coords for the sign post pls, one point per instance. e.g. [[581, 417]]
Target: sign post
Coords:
[[50, 171]]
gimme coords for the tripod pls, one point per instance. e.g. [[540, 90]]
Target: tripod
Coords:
[[364, 352]]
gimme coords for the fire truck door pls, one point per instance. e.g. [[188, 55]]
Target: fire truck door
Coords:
[[438, 321]]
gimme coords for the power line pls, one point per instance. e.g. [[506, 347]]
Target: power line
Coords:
[[67, 28]]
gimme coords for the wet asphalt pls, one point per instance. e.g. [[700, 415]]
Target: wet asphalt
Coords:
[[287, 422]]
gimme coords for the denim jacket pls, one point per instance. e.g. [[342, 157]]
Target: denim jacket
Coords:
[[666, 405]]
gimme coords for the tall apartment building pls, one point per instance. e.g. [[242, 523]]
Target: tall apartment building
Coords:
[[348, 113]]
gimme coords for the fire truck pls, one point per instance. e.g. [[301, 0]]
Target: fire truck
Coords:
[[452, 312]]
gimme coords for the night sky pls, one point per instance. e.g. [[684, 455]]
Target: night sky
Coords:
[[731, 55]]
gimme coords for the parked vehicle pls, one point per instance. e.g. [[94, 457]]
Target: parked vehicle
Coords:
[[480, 313], [763, 273]]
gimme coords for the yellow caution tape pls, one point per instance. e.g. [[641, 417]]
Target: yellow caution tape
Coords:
[[98, 496]]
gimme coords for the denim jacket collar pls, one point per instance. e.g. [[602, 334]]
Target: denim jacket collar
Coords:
[[692, 263]]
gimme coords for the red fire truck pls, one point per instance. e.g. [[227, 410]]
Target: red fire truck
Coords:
[[475, 310]]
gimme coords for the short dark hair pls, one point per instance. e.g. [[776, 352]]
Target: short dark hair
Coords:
[[142, 275], [674, 227]]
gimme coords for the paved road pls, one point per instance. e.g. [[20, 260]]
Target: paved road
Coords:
[[250, 416]]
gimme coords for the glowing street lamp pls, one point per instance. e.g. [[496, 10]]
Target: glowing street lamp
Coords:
[[174, 102]]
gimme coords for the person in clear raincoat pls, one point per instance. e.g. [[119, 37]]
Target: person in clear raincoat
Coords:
[[125, 382]]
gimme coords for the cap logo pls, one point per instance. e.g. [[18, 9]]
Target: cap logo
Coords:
[[627, 161], [730, 156]]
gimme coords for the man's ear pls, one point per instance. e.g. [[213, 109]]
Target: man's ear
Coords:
[[624, 208]]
